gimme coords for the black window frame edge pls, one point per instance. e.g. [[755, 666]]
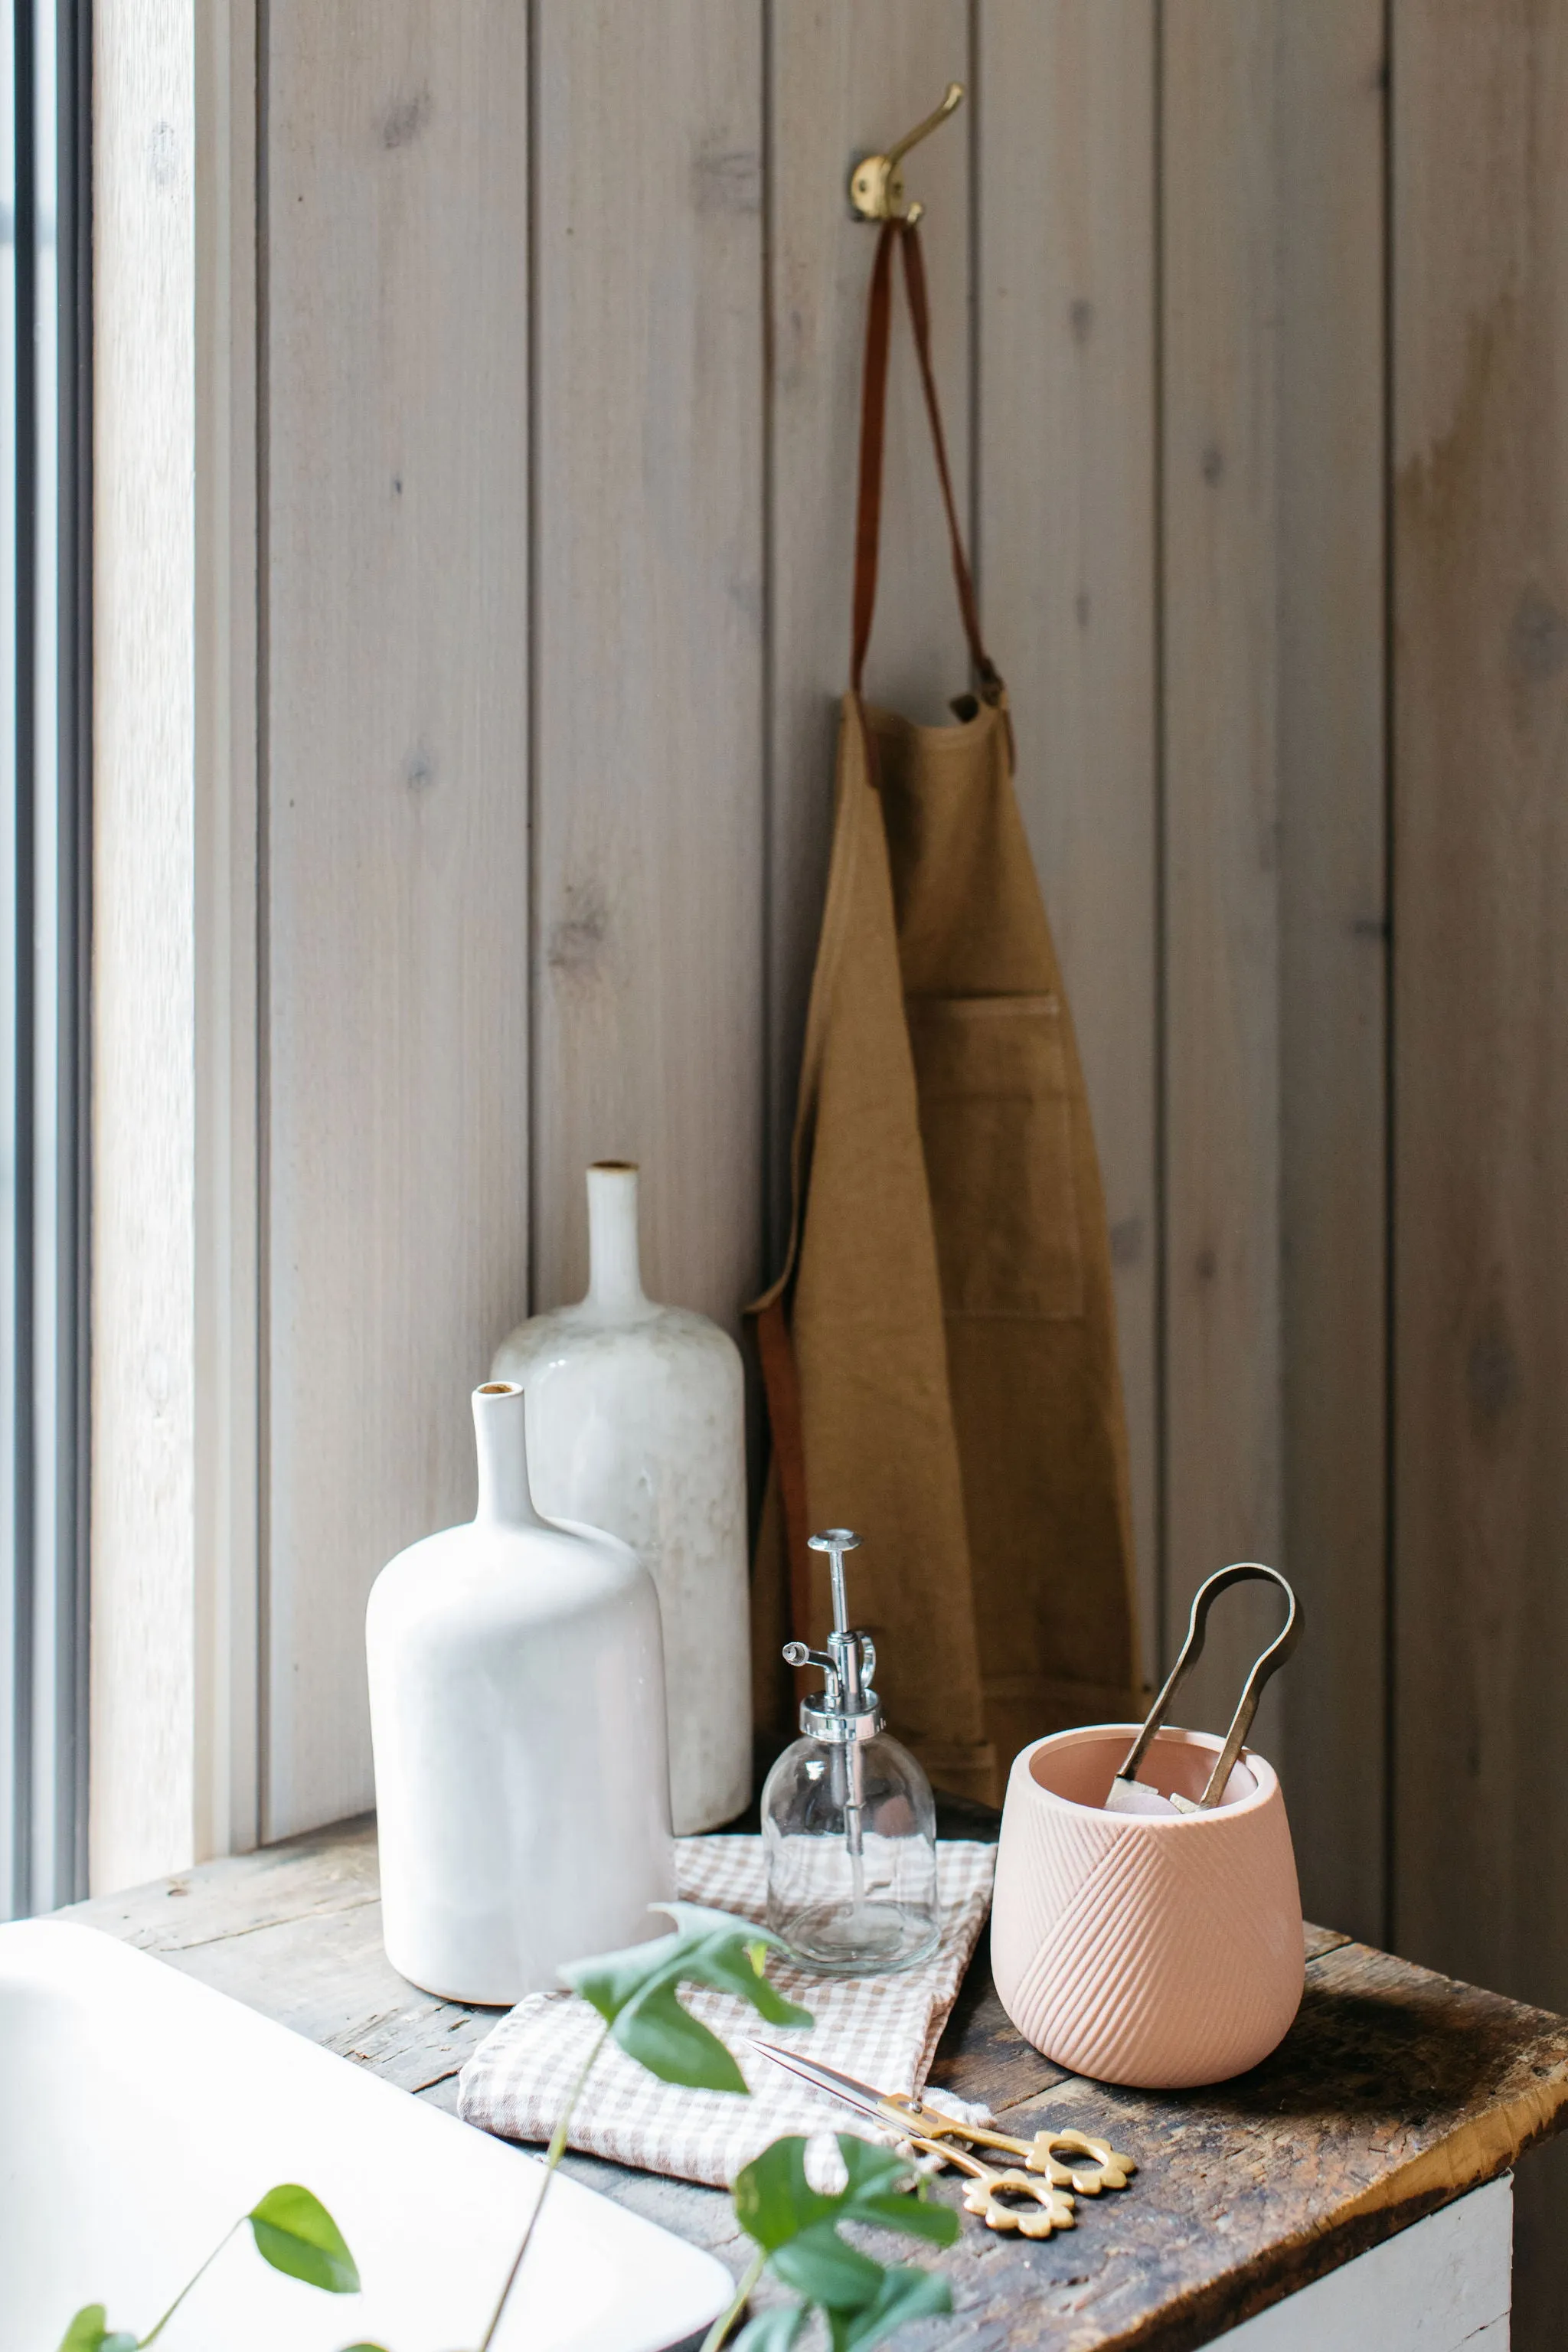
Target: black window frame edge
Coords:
[[45, 1709]]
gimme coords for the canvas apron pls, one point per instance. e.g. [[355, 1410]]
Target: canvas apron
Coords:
[[940, 1351]]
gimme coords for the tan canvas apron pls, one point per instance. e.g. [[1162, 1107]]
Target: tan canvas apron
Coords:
[[940, 1351]]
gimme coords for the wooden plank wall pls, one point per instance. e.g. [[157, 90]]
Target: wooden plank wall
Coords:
[[395, 843], [1220, 820], [648, 646], [1331, 749], [1065, 133], [1480, 977], [1248, 327]]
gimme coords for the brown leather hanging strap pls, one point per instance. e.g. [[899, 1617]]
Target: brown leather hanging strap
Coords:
[[775, 1348], [920, 318], [873, 418], [781, 1382]]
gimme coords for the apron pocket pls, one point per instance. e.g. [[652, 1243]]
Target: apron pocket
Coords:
[[995, 1114]]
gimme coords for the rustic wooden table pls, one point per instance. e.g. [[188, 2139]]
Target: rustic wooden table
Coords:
[[1396, 2092]]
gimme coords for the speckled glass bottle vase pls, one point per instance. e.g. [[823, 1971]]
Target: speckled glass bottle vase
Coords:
[[635, 1424]]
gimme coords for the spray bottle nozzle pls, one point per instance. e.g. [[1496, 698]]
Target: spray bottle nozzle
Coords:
[[796, 1653], [847, 1708]]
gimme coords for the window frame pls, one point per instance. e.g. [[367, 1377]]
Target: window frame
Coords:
[[44, 993]]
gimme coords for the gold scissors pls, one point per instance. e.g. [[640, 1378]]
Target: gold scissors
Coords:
[[1046, 2179]]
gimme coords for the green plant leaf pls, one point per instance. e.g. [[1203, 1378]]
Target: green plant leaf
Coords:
[[773, 2200], [871, 2170], [824, 2268], [878, 2190], [634, 1992], [676, 2046], [88, 2333], [772, 2331], [797, 2226], [295, 2233], [915, 2216], [904, 2295]]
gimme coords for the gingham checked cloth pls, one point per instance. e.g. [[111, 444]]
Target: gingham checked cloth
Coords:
[[884, 2030]]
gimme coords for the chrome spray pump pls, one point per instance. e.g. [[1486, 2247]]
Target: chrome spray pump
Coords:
[[848, 1825]]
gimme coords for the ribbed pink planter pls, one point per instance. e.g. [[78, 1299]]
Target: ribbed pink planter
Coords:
[[1158, 1950]]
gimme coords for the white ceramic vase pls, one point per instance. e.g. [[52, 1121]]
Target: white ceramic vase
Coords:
[[636, 1423], [518, 1721]]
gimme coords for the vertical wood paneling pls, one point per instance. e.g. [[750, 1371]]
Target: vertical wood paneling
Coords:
[[1162, 341], [846, 78], [648, 634], [1221, 825], [1332, 915], [396, 812], [1067, 435], [1481, 988], [1480, 372]]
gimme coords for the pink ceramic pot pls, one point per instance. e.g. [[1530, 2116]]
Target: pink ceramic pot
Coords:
[[1158, 1950]]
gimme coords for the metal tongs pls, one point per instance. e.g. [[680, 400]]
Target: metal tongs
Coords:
[[1130, 1795]]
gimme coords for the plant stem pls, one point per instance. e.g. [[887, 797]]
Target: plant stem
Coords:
[[557, 2150], [190, 2282], [726, 2319]]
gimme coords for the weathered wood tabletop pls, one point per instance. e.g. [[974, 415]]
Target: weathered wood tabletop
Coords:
[[1394, 2090]]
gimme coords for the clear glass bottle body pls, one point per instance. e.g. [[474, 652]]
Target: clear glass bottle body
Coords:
[[849, 1835]]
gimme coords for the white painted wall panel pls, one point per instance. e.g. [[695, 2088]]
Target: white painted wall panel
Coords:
[[648, 635], [396, 813]]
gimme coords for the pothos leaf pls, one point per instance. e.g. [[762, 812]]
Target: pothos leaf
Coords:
[[295, 2233], [634, 1992], [88, 2333]]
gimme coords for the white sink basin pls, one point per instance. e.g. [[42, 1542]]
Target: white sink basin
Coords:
[[140, 2112]]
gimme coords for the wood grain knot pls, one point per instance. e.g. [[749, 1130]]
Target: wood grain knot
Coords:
[[404, 119]]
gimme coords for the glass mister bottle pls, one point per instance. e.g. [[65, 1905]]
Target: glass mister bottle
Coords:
[[849, 1824]]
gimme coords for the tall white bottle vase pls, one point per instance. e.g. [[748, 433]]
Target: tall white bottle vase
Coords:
[[518, 1721], [636, 1423]]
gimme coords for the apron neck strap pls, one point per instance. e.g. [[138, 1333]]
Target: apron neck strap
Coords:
[[873, 418]]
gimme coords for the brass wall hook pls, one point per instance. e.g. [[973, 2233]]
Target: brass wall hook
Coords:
[[876, 185]]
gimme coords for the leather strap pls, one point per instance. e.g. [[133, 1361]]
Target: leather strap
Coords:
[[775, 1347], [873, 418], [781, 1380]]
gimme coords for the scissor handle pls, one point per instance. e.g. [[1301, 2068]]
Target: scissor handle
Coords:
[[1241, 1571], [1105, 2168], [1050, 2208]]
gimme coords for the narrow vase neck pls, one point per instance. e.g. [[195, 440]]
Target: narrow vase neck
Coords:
[[614, 1273], [501, 1437]]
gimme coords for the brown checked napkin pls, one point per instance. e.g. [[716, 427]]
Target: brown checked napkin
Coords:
[[883, 2029]]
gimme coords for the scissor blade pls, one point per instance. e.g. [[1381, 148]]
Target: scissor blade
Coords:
[[823, 2078]]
